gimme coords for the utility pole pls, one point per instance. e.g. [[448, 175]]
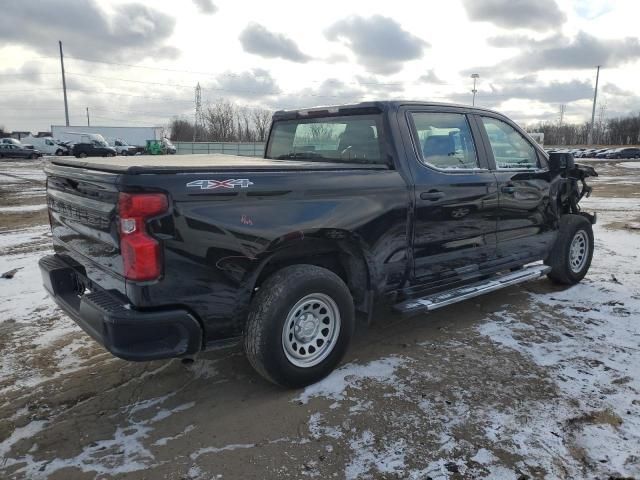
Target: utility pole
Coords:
[[593, 110], [198, 114], [88, 122], [64, 85], [475, 77]]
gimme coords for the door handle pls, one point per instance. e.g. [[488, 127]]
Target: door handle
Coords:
[[432, 195], [508, 189]]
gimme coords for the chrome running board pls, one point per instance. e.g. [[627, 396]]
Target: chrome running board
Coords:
[[448, 297]]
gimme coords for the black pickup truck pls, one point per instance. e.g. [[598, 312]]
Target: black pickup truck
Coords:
[[417, 205]]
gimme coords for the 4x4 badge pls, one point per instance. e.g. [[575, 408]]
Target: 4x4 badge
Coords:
[[213, 184]]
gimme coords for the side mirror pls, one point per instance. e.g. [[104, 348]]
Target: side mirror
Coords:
[[559, 162]]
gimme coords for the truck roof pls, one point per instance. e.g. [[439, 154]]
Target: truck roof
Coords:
[[373, 106]]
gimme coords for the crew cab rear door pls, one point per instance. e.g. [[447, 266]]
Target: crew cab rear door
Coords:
[[526, 218], [454, 228]]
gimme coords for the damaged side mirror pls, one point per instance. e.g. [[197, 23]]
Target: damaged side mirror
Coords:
[[559, 162]]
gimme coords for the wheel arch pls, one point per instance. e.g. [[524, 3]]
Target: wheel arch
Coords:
[[336, 250]]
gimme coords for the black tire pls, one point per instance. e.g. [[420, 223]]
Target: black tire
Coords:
[[33, 156], [264, 338], [565, 269], [59, 152], [82, 155]]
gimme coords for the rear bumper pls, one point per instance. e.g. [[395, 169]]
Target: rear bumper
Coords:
[[107, 318]]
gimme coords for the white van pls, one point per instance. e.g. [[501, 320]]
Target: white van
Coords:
[[47, 145], [122, 147]]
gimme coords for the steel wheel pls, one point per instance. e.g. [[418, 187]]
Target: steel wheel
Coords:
[[311, 330], [578, 251]]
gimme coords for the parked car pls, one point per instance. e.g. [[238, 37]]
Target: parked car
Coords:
[[10, 141], [625, 152], [603, 153], [414, 204], [10, 150], [93, 148]]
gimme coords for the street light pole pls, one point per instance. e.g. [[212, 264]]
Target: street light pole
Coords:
[[475, 77]]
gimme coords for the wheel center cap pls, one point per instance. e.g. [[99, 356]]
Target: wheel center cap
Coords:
[[306, 327]]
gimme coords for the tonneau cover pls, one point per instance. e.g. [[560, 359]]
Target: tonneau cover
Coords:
[[140, 164]]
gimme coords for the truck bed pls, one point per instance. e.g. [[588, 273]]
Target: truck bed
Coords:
[[144, 164]]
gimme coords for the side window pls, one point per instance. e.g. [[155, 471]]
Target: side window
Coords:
[[445, 141], [510, 148]]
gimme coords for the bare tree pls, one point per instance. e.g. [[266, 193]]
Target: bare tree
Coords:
[[262, 123], [181, 130], [224, 121]]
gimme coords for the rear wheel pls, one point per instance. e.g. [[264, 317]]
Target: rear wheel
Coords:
[[33, 156], [82, 155], [299, 326], [571, 256], [59, 152]]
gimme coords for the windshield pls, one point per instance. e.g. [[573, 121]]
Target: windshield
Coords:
[[354, 138]]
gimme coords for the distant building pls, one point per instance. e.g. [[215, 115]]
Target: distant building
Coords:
[[19, 135]]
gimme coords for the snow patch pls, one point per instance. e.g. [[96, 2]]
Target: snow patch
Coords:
[[353, 375]]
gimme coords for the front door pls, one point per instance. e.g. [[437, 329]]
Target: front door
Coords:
[[526, 221], [455, 199]]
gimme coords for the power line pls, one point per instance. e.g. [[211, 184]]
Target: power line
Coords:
[[27, 74], [29, 90]]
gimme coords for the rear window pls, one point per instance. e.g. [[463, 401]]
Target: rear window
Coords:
[[348, 139]]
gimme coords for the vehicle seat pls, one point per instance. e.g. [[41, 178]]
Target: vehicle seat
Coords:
[[439, 150], [362, 140]]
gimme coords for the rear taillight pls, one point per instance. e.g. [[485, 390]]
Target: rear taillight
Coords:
[[141, 252]]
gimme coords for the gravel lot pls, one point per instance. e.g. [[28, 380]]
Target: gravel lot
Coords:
[[535, 381]]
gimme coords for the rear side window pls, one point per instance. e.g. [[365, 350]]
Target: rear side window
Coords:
[[445, 141], [510, 148], [346, 139]]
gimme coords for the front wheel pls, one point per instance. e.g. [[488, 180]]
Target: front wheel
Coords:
[[299, 326], [571, 256]]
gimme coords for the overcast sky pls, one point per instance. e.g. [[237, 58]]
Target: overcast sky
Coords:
[[532, 56]]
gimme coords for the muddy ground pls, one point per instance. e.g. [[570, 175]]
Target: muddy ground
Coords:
[[535, 381]]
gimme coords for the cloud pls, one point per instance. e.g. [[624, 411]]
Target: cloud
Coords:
[[258, 40], [528, 88], [531, 14], [133, 30], [557, 52], [430, 77], [613, 89], [554, 92], [380, 43], [253, 84], [330, 92], [206, 6], [592, 9], [29, 72]]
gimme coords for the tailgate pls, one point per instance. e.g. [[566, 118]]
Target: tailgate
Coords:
[[82, 211]]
